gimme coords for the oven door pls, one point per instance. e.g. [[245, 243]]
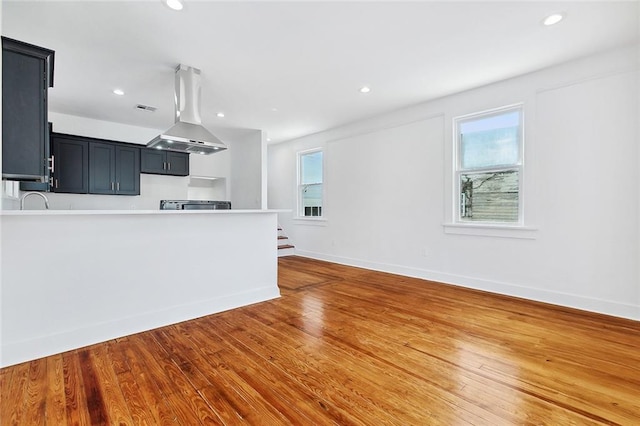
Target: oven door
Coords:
[[197, 206], [194, 205], [207, 205]]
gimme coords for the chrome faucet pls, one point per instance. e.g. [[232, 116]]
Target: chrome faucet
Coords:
[[44, 197]]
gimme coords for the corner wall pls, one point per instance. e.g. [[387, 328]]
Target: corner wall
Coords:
[[1, 195], [389, 190]]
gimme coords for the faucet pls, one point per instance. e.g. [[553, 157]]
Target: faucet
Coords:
[[46, 200]]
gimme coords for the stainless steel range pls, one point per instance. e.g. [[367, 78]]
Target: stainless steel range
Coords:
[[194, 205]]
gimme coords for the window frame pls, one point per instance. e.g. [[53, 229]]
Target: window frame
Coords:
[[300, 186], [458, 170]]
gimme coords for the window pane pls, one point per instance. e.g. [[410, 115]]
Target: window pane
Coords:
[[490, 141], [489, 197], [313, 211], [311, 196], [311, 168]]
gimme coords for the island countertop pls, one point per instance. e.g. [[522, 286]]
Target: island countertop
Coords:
[[131, 212], [71, 278]]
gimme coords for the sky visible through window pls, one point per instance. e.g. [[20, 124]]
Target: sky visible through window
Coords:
[[490, 141], [311, 168]]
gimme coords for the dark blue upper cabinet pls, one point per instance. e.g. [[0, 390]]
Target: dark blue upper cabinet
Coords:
[[178, 163], [71, 164], [27, 73], [102, 168], [159, 162], [95, 166], [127, 172], [114, 169]]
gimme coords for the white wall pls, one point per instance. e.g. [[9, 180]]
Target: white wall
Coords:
[[82, 126], [247, 170], [388, 186]]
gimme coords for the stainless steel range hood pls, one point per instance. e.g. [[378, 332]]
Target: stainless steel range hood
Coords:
[[188, 134]]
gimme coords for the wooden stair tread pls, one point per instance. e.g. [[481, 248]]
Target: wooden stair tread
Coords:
[[285, 246], [282, 237]]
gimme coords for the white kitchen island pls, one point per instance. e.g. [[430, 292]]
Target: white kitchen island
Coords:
[[74, 278]]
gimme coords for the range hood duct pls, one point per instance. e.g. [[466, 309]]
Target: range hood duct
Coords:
[[188, 134]]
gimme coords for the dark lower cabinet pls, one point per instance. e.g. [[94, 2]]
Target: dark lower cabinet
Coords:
[[27, 74], [155, 161], [70, 172], [114, 169]]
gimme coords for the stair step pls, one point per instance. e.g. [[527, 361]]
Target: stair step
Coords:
[[285, 246], [283, 237], [287, 252]]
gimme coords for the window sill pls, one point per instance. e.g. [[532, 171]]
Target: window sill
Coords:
[[486, 230], [312, 221]]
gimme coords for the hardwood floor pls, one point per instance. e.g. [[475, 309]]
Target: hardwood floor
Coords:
[[347, 346]]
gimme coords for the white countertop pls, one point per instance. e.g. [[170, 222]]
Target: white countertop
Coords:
[[130, 212]]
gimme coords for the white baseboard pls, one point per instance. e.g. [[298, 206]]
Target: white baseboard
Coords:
[[607, 307], [26, 350]]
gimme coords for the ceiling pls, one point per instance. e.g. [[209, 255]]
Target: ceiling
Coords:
[[294, 68]]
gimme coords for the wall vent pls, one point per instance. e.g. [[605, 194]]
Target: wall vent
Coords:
[[145, 108]]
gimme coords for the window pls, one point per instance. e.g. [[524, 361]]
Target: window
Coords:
[[310, 183], [489, 167]]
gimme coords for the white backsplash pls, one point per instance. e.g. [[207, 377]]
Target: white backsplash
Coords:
[[207, 189], [10, 195], [153, 188]]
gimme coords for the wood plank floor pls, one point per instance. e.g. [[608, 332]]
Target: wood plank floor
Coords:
[[346, 346]]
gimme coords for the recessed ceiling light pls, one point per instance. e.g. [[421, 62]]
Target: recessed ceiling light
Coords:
[[365, 89], [174, 4], [553, 19], [220, 114], [118, 92], [268, 139]]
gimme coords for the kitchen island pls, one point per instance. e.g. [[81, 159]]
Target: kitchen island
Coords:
[[74, 278]]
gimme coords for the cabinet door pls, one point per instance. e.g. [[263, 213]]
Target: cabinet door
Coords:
[[177, 163], [102, 168], [127, 170], [70, 165], [153, 161], [24, 117]]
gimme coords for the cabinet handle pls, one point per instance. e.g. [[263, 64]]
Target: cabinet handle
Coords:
[[56, 182], [112, 186], [169, 164], [118, 186], [52, 167], [164, 165]]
